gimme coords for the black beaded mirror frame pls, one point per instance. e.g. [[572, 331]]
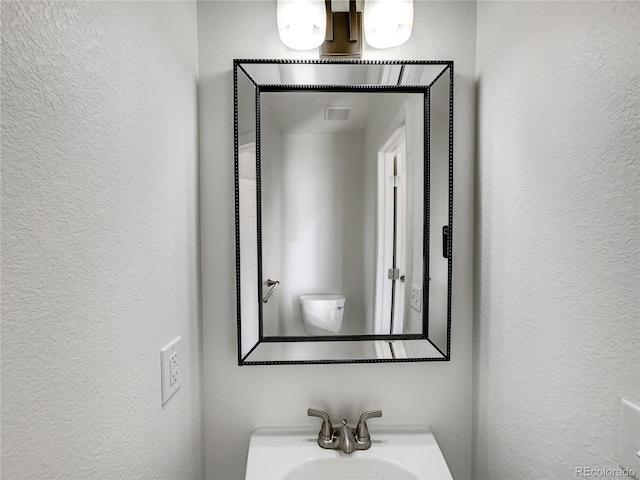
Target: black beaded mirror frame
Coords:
[[447, 230]]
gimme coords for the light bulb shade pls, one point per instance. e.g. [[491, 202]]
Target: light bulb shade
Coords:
[[302, 24], [387, 23]]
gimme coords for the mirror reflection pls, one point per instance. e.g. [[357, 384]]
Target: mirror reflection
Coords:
[[341, 194], [343, 181]]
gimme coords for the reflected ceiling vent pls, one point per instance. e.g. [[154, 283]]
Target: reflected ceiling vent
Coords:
[[337, 112]]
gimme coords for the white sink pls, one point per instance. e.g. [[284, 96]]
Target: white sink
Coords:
[[407, 452]]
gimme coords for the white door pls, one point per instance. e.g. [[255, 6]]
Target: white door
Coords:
[[392, 235]]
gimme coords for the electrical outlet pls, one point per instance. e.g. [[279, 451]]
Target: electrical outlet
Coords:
[[173, 361], [416, 298], [169, 368]]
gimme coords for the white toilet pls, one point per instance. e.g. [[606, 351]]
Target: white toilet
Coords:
[[322, 314]]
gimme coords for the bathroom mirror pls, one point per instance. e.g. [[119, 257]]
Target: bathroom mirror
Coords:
[[344, 200]]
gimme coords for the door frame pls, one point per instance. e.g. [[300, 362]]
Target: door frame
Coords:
[[395, 142]]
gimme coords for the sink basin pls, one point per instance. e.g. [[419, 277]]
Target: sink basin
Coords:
[[346, 468], [288, 453]]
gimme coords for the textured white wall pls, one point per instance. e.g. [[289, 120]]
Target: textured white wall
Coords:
[[238, 399], [557, 240], [99, 239]]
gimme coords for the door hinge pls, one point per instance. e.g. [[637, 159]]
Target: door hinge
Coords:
[[393, 274]]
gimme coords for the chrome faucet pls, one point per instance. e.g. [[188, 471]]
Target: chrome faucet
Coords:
[[345, 438]]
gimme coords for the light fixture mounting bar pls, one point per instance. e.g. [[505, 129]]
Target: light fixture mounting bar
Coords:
[[344, 33], [329, 35], [353, 22]]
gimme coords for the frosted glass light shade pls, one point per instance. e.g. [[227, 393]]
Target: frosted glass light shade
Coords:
[[387, 23], [302, 24]]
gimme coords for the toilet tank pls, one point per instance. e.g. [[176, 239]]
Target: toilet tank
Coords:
[[322, 314]]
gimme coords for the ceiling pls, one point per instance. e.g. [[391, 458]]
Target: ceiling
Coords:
[[303, 112]]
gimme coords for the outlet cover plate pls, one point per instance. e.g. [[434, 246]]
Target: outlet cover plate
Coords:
[[629, 453], [169, 362]]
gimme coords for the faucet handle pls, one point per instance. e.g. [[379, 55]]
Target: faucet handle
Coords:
[[326, 431], [362, 431]]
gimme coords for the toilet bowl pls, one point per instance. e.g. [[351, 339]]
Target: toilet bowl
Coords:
[[322, 314]]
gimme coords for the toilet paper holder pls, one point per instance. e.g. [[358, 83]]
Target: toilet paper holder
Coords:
[[272, 284]]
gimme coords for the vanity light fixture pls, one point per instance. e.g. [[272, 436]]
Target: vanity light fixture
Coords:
[[307, 24], [302, 24], [387, 23]]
